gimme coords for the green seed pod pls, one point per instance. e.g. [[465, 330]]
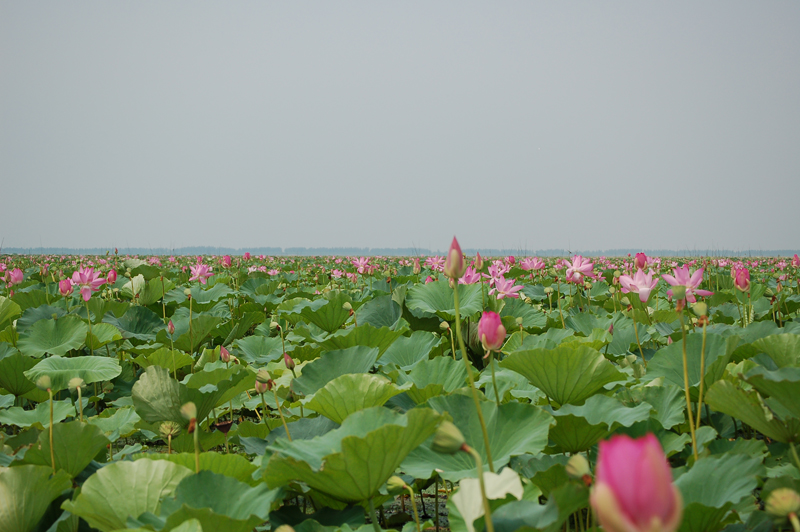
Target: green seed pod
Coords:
[[448, 439]]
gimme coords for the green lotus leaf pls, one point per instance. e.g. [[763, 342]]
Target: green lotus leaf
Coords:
[[39, 416], [8, 311], [364, 335], [29, 298], [350, 393], [62, 370], [531, 317], [75, 444], [152, 292], [782, 385], [328, 314], [437, 298], [668, 362], [783, 349], [319, 372], [171, 359], [507, 381], [55, 337], [138, 322], [565, 374], [669, 402], [239, 328], [725, 397], [12, 373], [434, 377], [116, 423], [26, 493], [101, 334], [203, 297], [352, 462], [230, 465], [186, 340], [34, 314], [381, 311], [125, 489], [530, 515], [514, 429], [407, 351], [260, 350]]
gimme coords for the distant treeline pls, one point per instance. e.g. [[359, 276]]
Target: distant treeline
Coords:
[[276, 251]]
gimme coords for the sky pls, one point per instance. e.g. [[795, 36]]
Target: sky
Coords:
[[514, 124]]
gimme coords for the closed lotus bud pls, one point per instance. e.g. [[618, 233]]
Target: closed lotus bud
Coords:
[[679, 292], [111, 278], [169, 428], [75, 383], [263, 376], [289, 361], [416, 269], [187, 293], [261, 387], [478, 261], [611, 328], [347, 306], [189, 411], [395, 485], [782, 502], [491, 331], [640, 261], [578, 468], [448, 439], [455, 265], [65, 287], [224, 355], [444, 326], [700, 308], [171, 327], [742, 279], [44, 383], [274, 325]]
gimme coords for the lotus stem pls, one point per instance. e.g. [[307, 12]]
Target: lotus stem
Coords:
[[196, 434], [169, 444], [414, 506], [374, 516], [494, 380], [702, 376], [280, 412], [91, 338], [795, 522], [52, 449], [452, 343], [191, 334], [436, 501], [794, 455], [686, 386], [264, 403], [472, 381], [636, 332], [479, 466], [80, 405], [560, 313]]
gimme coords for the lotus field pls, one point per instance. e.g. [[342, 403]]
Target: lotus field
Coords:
[[630, 394]]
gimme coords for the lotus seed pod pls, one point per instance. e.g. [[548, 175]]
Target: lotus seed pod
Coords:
[[548, 290], [448, 439], [75, 383], [187, 292], [700, 308], [782, 502], [347, 306], [395, 485], [189, 410], [578, 466], [169, 428], [625, 301], [44, 383], [284, 528], [612, 290], [679, 292], [263, 376], [444, 326]]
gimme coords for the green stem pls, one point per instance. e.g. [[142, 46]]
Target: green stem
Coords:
[[636, 332], [280, 413], [702, 376], [486, 509], [191, 333], [794, 455], [471, 379], [795, 522], [196, 434], [686, 386], [52, 448], [80, 404], [374, 516], [264, 403], [494, 380], [91, 338], [414, 506]]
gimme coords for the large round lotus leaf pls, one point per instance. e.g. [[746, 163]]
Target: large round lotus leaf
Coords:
[[350, 393], [319, 372], [668, 362], [12, 376], [434, 377], [101, 334], [34, 314], [172, 359], [39, 416], [25, 494], [260, 349], [55, 337], [513, 428], [328, 314], [125, 489], [62, 370], [565, 374], [437, 298], [138, 322], [365, 335], [231, 465], [407, 351], [187, 340], [783, 349], [8, 311], [116, 423], [75, 444], [782, 385], [382, 311], [352, 462]]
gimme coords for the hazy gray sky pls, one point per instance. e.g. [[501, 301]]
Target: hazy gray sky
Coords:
[[534, 124]]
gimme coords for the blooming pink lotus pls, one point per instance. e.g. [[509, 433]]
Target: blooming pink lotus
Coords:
[[641, 283], [640, 261], [691, 282], [633, 489], [361, 264], [491, 331], [201, 272], [579, 268], [741, 279], [531, 263], [65, 287], [454, 265], [796, 261], [89, 281], [470, 276], [226, 261], [246, 255], [435, 263], [505, 288], [15, 276]]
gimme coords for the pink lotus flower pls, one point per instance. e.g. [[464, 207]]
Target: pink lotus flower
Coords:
[[633, 491], [505, 288], [531, 263], [470, 276], [435, 263], [579, 268], [416, 269], [246, 255], [65, 287], [496, 271], [226, 261], [511, 260], [171, 328], [796, 261], [224, 354], [361, 264], [491, 331], [478, 261], [682, 278], [429, 279], [640, 261], [89, 281], [15, 276], [454, 264], [641, 283], [741, 279], [201, 272], [336, 274], [111, 278]]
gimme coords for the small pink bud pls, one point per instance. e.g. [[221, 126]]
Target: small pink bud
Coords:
[[246, 255], [511, 260], [65, 287], [454, 264], [640, 261], [491, 331], [171, 327], [289, 361], [417, 267], [741, 279], [478, 261], [224, 354], [15, 276], [111, 278]]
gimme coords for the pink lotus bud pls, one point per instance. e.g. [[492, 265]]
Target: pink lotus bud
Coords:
[[511, 260], [633, 491], [454, 264], [111, 278], [429, 279], [741, 279], [262, 387], [226, 261], [15, 276], [171, 327], [611, 328], [796, 261], [246, 255], [289, 361], [224, 354], [65, 287], [478, 261], [417, 267], [43, 269], [640, 261], [491, 331]]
